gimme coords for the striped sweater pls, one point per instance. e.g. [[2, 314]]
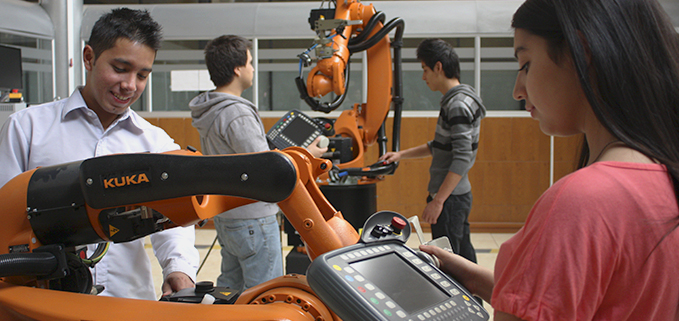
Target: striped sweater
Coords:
[[457, 137]]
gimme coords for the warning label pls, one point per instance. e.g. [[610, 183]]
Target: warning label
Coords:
[[112, 230]]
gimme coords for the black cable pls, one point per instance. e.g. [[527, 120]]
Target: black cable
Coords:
[[377, 17], [314, 103], [99, 252], [33, 264], [396, 22], [207, 254]]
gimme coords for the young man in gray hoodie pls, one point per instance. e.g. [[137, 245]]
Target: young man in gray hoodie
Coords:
[[453, 149], [229, 124]]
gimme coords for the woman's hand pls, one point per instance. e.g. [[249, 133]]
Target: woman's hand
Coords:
[[477, 279]]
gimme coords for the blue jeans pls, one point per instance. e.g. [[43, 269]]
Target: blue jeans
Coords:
[[251, 251]]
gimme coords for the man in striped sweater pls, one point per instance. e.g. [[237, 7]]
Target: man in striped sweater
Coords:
[[453, 149]]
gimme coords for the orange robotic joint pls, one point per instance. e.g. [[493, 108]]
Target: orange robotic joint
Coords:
[[286, 298], [291, 289]]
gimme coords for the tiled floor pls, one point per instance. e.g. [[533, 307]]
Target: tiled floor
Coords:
[[486, 244]]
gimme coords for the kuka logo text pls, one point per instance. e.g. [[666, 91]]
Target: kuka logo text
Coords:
[[125, 180]]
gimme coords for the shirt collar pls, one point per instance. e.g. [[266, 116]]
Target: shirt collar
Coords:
[[76, 101]]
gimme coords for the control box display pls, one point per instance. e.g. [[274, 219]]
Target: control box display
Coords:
[[389, 281], [293, 129]]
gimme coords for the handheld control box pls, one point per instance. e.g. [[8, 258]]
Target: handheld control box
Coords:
[[221, 295], [383, 279], [294, 129]]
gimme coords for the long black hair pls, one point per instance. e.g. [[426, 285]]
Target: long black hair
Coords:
[[626, 53]]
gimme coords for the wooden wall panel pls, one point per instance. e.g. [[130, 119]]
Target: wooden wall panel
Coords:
[[176, 126], [510, 174], [268, 122], [405, 192], [180, 129], [154, 121], [192, 137]]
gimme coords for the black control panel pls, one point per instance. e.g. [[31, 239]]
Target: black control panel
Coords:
[[220, 295], [386, 280], [294, 129]]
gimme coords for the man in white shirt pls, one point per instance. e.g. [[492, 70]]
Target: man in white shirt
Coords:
[[96, 120]]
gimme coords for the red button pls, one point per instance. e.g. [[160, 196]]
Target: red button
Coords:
[[398, 222]]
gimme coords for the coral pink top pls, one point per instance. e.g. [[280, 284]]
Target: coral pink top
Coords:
[[601, 244]]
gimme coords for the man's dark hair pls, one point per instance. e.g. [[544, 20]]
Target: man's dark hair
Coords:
[[431, 51], [134, 25], [224, 54]]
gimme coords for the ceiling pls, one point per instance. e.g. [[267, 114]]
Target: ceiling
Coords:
[[671, 6]]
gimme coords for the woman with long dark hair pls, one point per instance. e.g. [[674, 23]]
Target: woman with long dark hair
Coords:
[[602, 243]]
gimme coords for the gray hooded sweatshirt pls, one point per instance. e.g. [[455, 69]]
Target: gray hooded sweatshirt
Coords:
[[230, 124]]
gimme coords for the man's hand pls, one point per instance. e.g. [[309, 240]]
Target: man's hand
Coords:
[[176, 281], [432, 211], [315, 150], [391, 157]]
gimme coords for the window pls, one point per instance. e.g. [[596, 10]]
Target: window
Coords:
[[498, 74], [416, 94], [36, 57], [277, 66]]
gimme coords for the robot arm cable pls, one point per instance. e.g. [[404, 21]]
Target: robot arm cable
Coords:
[[315, 104], [394, 23], [377, 17], [102, 249], [35, 264]]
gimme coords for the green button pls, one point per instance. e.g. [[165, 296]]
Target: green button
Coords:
[[374, 301], [387, 312]]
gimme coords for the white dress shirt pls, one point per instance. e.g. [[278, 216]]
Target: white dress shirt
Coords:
[[65, 131]]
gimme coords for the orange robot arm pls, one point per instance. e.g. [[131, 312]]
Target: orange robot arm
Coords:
[[120, 198], [356, 27]]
